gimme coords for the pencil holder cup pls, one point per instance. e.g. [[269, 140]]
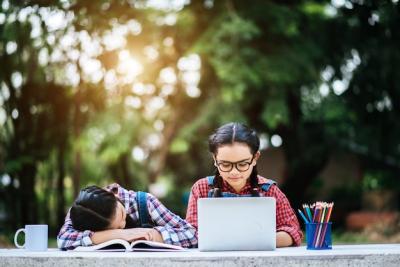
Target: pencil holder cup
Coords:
[[319, 235]]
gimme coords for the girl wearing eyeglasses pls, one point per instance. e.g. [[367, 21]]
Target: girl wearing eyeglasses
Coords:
[[235, 150]]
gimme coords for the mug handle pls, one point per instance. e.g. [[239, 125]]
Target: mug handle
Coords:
[[16, 236]]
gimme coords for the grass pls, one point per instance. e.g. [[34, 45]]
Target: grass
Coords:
[[346, 238], [342, 237], [7, 241]]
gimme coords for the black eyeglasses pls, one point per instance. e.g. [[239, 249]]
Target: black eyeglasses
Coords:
[[227, 166]]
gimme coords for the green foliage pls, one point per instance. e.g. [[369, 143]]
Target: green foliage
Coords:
[[236, 63], [380, 179], [275, 113], [179, 146]]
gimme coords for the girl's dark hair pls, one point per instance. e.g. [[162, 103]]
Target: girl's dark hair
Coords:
[[227, 135], [93, 209]]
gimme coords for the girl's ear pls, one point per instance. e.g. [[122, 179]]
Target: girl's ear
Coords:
[[215, 161], [256, 157]]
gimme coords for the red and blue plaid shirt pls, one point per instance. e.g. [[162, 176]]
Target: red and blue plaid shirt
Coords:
[[173, 229], [286, 219]]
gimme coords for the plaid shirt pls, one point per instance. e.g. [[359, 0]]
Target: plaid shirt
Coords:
[[173, 229], [286, 219]]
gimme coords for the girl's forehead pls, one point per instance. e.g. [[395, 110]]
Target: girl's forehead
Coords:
[[234, 152]]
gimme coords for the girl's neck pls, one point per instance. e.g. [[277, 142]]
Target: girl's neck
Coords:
[[238, 187]]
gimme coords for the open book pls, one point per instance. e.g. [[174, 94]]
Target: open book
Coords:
[[123, 245]]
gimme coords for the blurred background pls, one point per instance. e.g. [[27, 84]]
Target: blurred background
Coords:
[[128, 91]]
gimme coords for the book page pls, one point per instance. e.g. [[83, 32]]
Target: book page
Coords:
[[145, 245], [110, 245]]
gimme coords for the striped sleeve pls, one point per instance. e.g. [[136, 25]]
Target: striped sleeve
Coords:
[[173, 229], [69, 238]]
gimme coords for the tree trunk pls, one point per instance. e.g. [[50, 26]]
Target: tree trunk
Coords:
[[120, 171], [60, 187], [12, 201], [76, 178], [161, 157], [44, 211], [28, 203], [299, 137], [77, 173], [115, 173]]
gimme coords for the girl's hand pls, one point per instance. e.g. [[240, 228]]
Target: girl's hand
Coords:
[[156, 236], [283, 239], [150, 234], [137, 234], [127, 234]]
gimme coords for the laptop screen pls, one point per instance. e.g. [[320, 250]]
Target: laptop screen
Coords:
[[240, 223]]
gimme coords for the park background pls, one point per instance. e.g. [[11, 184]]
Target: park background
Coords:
[[95, 92]]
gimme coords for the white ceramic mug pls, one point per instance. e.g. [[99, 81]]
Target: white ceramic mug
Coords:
[[36, 237]]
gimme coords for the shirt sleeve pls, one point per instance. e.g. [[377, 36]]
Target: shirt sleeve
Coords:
[[69, 238], [191, 213], [286, 219], [173, 229]]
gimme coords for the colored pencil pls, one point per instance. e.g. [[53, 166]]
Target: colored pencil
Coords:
[[302, 215], [308, 212], [319, 226], [330, 206]]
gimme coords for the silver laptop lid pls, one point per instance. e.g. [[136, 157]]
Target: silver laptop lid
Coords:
[[237, 223]]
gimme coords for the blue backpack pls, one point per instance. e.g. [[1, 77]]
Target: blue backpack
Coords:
[[210, 181], [144, 218]]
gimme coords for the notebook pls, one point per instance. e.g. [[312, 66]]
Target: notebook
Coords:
[[237, 223]]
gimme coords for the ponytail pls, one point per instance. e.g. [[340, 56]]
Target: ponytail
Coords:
[[217, 184], [254, 182]]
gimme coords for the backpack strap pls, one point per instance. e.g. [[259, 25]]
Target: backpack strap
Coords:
[[265, 187], [143, 210], [210, 182]]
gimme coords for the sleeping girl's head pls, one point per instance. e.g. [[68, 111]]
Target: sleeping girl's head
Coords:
[[97, 209]]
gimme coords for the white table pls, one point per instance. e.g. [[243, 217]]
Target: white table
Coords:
[[341, 255]]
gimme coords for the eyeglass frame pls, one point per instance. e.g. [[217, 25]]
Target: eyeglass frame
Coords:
[[234, 164]]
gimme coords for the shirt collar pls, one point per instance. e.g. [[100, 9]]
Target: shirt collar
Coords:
[[245, 190]]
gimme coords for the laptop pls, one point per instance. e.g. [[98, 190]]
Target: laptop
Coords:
[[237, 223]]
